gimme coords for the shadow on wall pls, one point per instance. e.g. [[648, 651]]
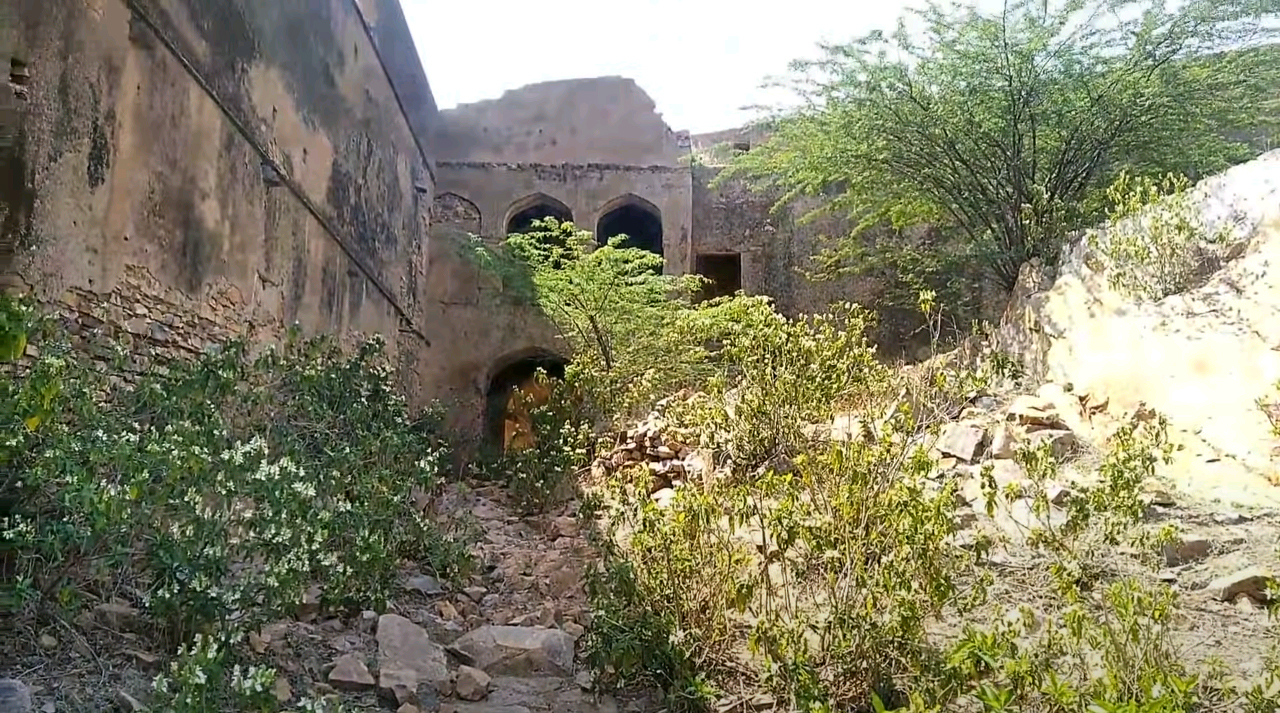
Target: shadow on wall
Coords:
[[17, 198], [513, 393]]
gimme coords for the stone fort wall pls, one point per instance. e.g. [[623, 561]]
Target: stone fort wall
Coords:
[[192, 170], [178, 172]]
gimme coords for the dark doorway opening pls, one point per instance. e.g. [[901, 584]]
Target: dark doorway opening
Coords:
[[521, 220], [642, 226], [723, 272], [507, 420]]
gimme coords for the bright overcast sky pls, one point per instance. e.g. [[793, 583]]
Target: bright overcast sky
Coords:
[[700, 60]]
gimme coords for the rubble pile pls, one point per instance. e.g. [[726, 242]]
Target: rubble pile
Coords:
[[987, 436], [661, 448]]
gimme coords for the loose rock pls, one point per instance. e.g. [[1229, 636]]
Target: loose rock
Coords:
[[518, 650], [1186, 550], [425, 584], [1251, 582], [1062, 443], [128, 704], [1002, 442], [1029, 410], [962, 440], [472, 684], [351, 674], [407, 656]]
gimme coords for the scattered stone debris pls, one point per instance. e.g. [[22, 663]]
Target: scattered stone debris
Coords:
[[351, 674], [661, 449], [504, 641]]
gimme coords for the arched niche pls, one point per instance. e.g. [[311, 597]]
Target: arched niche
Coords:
[[523, 212], [455, 211], [511, 390], [636, 218]]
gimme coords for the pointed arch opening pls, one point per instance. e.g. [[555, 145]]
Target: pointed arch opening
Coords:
[[523, 212], [634, 217], [513, 391], [455, 211]]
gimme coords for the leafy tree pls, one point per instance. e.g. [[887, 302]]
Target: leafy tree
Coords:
[[634, 333], [1004, 128]]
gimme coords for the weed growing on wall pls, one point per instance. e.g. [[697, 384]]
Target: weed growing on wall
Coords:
[[216, 494]]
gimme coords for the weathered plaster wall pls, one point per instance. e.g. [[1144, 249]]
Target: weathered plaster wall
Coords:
[[490, 328], [134, 163], [777, 246], [492, 188], [194, 169], [581, 121]]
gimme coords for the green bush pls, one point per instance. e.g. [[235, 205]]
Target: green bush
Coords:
[[633, 335], [1156, 243], [820, 578], [214, 494], [847, 554]]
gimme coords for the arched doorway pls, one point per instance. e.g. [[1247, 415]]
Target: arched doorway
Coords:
[[522, 213], [513, 390], [636, 218]]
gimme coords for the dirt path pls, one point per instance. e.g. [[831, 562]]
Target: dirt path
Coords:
[[505, 643]]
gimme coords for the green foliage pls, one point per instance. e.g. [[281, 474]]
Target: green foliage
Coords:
[[818, 570], [633, 332], [509, 276], [541, 474], [204, 678], [1156, 243], [1003, 128], [828, 557], [300, 460], [779, 375], [17, 317], [217, 492]]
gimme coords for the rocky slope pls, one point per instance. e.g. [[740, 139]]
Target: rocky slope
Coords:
[[1204, 358]]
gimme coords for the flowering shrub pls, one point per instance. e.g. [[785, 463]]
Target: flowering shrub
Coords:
[[215, 493]]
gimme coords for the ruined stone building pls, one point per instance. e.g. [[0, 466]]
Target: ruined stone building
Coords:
[[178, 172], [595, 151]]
